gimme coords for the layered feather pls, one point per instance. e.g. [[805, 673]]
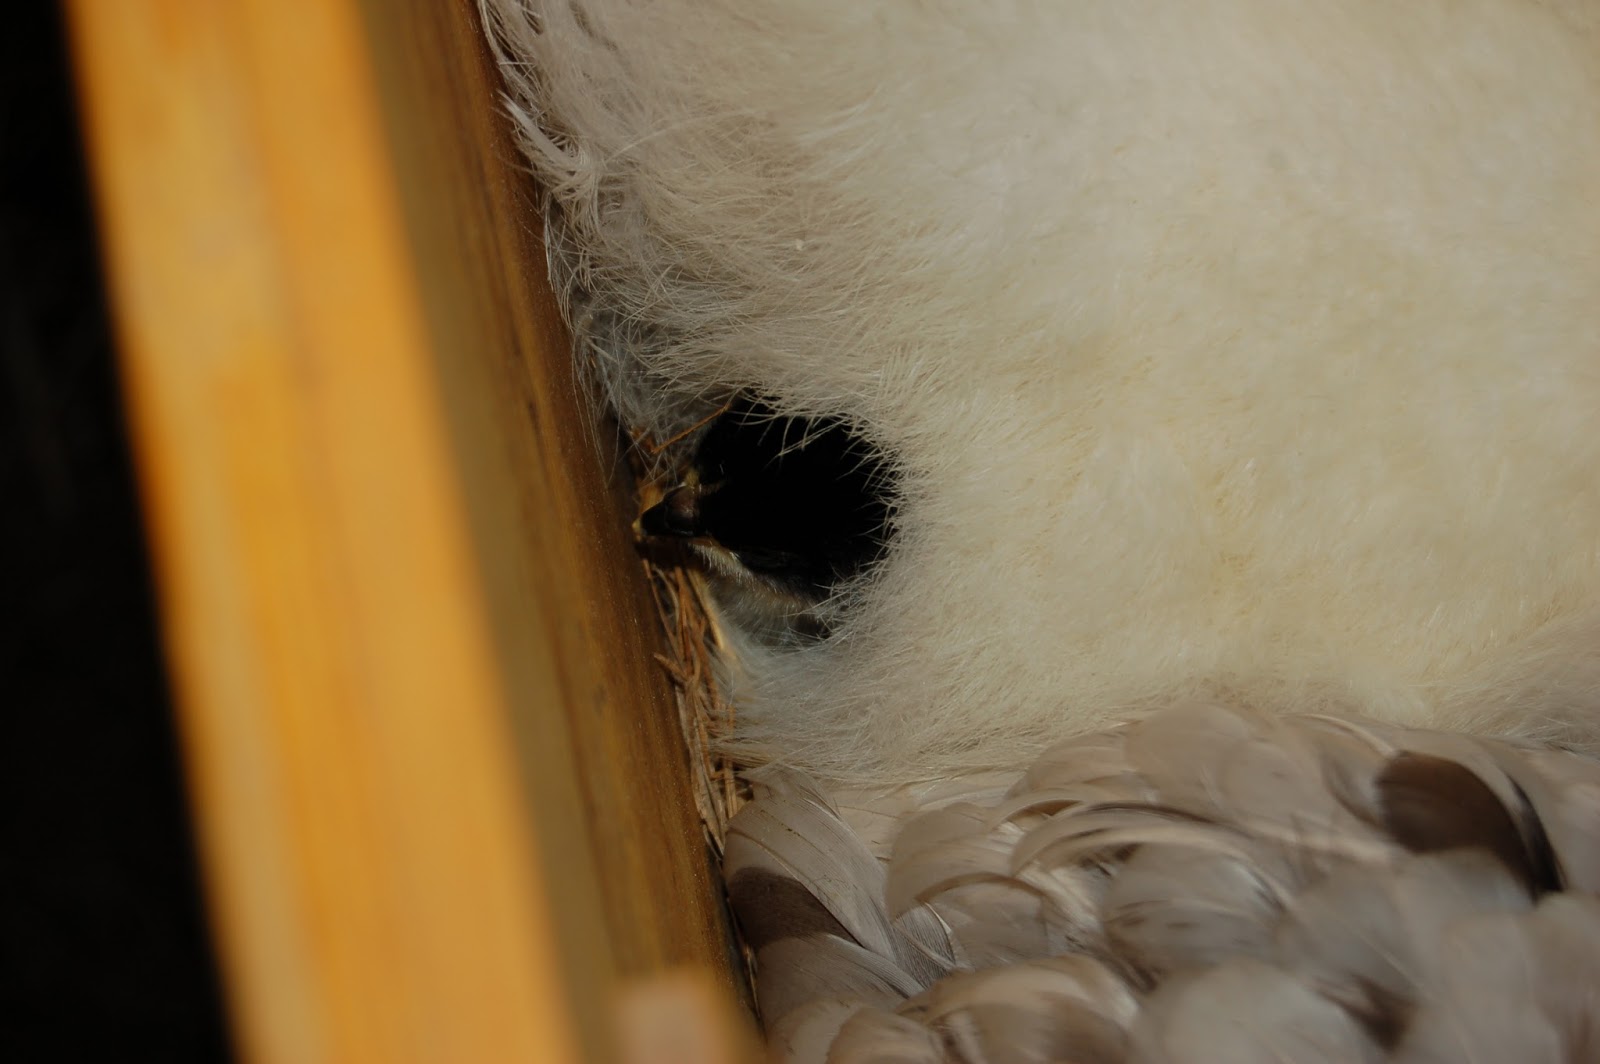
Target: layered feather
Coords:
[[1205, 884]]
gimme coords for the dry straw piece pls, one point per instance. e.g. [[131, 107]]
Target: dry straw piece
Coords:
[[691, 640]]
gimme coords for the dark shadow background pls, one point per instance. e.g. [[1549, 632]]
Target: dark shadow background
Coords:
[[103, 946]]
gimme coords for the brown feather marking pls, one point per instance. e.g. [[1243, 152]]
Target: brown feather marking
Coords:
[[1546, 862], [772, 906], [1431, 804], [1385, 1015]]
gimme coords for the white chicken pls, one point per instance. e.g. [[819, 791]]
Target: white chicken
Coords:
[[1238, 355]]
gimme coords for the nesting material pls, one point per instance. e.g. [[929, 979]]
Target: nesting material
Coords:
[[691, 640]]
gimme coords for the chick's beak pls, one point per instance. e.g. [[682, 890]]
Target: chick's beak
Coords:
[[676, 515]]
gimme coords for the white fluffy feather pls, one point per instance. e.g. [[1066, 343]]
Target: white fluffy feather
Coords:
[[1237, 345], [1229, 344]]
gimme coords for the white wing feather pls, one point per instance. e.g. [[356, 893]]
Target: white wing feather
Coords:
[[1203, 884]]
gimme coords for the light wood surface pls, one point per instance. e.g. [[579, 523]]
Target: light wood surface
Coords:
[[440, 793]]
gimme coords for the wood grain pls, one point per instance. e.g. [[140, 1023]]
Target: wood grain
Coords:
[[551, 513], [440, 792]]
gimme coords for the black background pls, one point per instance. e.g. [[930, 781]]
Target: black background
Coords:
[[103, 944]]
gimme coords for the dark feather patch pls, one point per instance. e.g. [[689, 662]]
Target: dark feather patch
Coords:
[[771, 907], [1430, 804], [1384, 1014], [1546, 865]]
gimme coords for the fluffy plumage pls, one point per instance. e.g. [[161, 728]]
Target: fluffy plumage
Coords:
[[1236, 346], [1206, 884]]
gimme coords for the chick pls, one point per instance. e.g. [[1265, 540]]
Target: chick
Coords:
[[781, 512]]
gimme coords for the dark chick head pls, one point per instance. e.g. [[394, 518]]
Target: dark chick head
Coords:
[[783, 509]]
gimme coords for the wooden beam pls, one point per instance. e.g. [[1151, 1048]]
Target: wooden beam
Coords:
[[438, 786]]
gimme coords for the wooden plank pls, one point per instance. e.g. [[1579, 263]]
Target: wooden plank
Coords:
[[435, 778], [547, 512]]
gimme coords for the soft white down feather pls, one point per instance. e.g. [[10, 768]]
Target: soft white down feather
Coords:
[[1243, 347]]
